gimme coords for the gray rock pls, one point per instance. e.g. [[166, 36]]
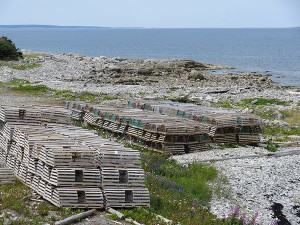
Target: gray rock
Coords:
[[196, 75]]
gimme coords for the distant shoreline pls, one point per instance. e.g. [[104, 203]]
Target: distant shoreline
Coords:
[[99, 27]]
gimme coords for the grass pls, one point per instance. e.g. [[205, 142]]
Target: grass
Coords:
[[269, 114], [88, 97], [292, 116], [224, 104], [13, 194], [272, 147], [18, 82], [25, 66], [33, 56], [179, 193], [23, 85], [16, 198], [65, 94], [278, 130], [108, 98], [264, 101], [35, 89], [141, 93], [184, 99]]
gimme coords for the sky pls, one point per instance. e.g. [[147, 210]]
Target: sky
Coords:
[[153, 13]]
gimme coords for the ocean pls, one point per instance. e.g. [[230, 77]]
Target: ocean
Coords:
[[266, 51]]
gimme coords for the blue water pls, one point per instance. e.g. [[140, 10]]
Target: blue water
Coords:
[[273, 51]]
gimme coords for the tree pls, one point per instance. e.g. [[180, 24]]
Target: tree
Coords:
[[8, 50]]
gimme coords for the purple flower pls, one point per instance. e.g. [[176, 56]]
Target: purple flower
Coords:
[[237, 211]]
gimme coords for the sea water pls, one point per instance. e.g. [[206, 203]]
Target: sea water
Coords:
[[267, 51]]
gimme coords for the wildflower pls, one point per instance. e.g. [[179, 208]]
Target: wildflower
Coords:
[[193, 204], [254, 218], [237, 211]]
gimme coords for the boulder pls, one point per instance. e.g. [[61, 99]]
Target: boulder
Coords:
[[196, 75]]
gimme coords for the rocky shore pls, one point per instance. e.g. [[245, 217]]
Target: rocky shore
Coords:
[[255, 184]]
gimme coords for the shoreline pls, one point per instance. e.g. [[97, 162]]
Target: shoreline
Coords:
[[135, 79]]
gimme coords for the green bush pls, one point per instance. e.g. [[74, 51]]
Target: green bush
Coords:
[[8, 50]]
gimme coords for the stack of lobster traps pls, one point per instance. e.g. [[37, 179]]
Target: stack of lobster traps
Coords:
[[225, 126], [159, 132], [67, 165], [121, 176]]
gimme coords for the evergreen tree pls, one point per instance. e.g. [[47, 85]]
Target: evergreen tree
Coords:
[[8, 50]]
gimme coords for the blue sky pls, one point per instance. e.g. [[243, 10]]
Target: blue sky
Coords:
[[153, 13]]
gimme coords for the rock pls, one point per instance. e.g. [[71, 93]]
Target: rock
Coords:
[[262, 79], [246, 110], [254, 101], [118, 81], [294, 200], [196, 75], [280, 122]]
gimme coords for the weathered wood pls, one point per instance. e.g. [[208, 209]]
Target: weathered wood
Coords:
[[79, 216], [113, 211]]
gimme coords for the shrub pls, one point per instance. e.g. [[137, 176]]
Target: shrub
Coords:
[[8, 50]]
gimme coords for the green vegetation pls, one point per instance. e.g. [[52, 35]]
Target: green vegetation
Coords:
[[25, 66], [65, 94], [33, 56], [179, 193], [22, 85], [35, 89], [264, 101], [272, 147], [292, 116], [108, 98], [280, 131], [184, 99], [43, 209], [8, 50], [18, 82], [228, 146], [224, 104], [16, 198], [88, 97], [141, 93]]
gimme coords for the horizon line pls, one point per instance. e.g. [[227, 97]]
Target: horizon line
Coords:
[[129, 27]]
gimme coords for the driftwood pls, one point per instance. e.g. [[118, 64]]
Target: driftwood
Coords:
[[218, 91], [75, 217], [113, 211], [131, 221]]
